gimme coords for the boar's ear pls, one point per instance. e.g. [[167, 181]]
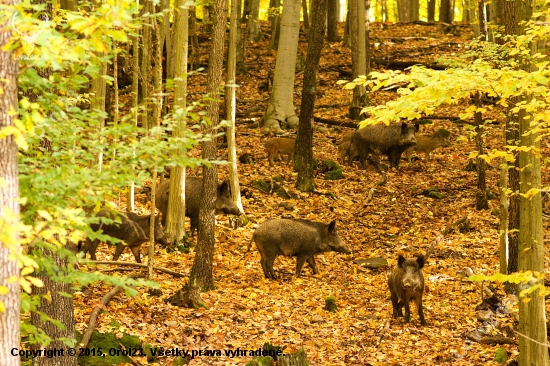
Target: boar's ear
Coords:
[[420, 260], [400, 261], [332, 227], [417, 127], [404, 125], [224, 187]]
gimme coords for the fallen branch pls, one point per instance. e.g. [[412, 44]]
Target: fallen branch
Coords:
[[442, 235], [332, 122], [93, 317], [476, 337], [382, 333], [142, 265], [383, 179]]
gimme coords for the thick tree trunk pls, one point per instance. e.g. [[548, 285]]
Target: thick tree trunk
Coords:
[[201, 273], [58, 308], [446, 11], [280, 111], [304, 142], [9, 204], [175, 217], [532, 317]]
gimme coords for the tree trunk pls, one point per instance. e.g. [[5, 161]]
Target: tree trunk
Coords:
[[275, 19], [503, 186], [201, 273], [358, 55], [532, 317], [347, 28], [135, 102], [304, 141], [175, 217], [57, 307], [446, 11], [305, 14], [98, 89], [9, 201], [230, 106], [254, 30], [332, 21], [404, 10], [192, 29], [431, 10], [145, 69], [280, 110], [482, 202]]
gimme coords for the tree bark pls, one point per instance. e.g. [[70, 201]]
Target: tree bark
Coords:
[[280, 110], [304, 141], [230, 106], [254, 30], [332, 21], [56, 307], [358, 55], [532, 317], [446, 11], [175, 217], [201, 273], [9, 204], [275, 20]]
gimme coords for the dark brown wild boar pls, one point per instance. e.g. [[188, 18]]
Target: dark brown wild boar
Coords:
[[406, 283], [298, 238], [193, 192]]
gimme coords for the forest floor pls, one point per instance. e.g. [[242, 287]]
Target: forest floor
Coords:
[[246, 310]]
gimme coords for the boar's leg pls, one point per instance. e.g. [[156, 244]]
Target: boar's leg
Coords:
[[312, 264], [267, 266], [395, 305], [119, 249], [407, 302], [420, 309], [136, 251], [300, 260]]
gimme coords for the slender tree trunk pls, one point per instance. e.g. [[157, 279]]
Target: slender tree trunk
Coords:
[[230, 106], [305, 14], [9, 202], [332, 21], [431, 10], [99, 87], [358, 55], [275, 24], [201, 273], [503, 185], [254, 30], [304, 141], [145, 69], [482, 201], [280, 110], [135, 102], [192, 29], [175, 217]]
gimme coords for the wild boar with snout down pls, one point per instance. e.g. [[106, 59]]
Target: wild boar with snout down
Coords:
[[298, 238], [406, 283]]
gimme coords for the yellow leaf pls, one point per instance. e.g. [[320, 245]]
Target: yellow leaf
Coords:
[[3, 290]]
